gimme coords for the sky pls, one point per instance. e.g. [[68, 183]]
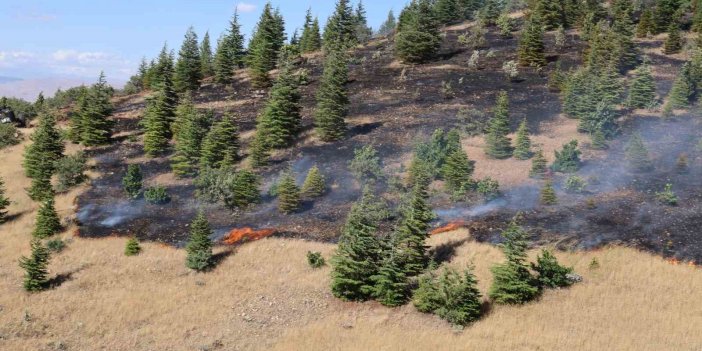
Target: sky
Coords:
[[76, 39]]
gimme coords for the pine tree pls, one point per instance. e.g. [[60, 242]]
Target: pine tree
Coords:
[[199, 245], [457, 171], [192, 130], [288, 193], [230, 52], [362, 31], [206, 58], [132, 181], [188, 69], [551, 13], [95, 128], [280, 121], [447, 11], [598, 140], [645, 26], [637, 154], [220, 144], [513, 283], [332, 98], [340, 31], [314, 185], [418, 38], [264, 47], [157, 118], [531, 44], [642, 91], [258, 152], [522, 149], [409, 239], [4, 202], [497, 143], [48, 222], [36, 267], [46, 148], [673, 44], [549, 272], [390, 284], [311, 39], [548, 194], [388, 27], [665, 13], [459, 295], [539, 165], [132, 248], [568, 159], [603, 119], [358, 256], [683, 90]]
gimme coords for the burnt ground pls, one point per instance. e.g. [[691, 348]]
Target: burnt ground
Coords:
[[391, 109]]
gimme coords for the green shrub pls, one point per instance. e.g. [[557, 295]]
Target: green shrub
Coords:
[[366, 164], [575, 184], [489, 188], [132, 181], [667, 196], [132, 248], [452, 296], [157, 195], [69, 170], [315, 259], [56, 245], [9, 135], [568, 159], [549, 272]]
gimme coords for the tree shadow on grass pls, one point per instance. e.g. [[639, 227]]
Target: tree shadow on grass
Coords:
[[219, 257], [13, 217], [61, 278], [445, 252]]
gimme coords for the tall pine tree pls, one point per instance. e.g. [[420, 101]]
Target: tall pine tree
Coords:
[[642, 91], [188, 68], [340, 31], [156, 123], [280, 120], [188, 142], [418, 38], [497, 143], [513, 283], [48, 222], [522, 148], [221, 144], [199, 245], [265, 46], [36, 267], [311, 39], [332, 98], [531, 44], [206, 58]]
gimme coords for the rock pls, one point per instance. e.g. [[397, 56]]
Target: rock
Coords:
[[575, 278]]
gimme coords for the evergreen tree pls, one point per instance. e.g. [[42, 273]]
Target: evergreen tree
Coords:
[[188, 142], [548, 194], [95, 128], [230, 52], [311, 39], [551, 13], [513, 283], [447, 11], [340, 31], [314, 185], [46, 148], [258, 153], [157, 118], [199, 245], [645, 26], [409, 239], [188, 69], [642, 91], [132, 181], [457, 171], [673, 44], [459, 297], [358, 256], [549, 272], [497, 143], [288, 193], [132, 248], [264, 47], [280, 120], [220, 144], [48, 222], [388, 27], [522, 149], [36, 267], [598, 140], [539, 165], [206, 57], [4, 202], [390, 284], [531, 44], [683, 90], [623, 33], [362, 31], [568, 159], [332, 98], [603, 119], [418, 38], [664, 14], [637, 154]]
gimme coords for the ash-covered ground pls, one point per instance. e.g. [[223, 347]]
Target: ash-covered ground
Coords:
[[393, 106]]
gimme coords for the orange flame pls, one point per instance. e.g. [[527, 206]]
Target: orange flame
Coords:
[[246, 234], [673, 261], [451, 226]]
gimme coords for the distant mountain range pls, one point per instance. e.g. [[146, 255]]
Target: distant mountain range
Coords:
[[28, 89]]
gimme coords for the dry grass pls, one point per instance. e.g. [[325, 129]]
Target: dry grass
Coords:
[[264, 296]]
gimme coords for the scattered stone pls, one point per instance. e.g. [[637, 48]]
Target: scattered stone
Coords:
[[575, 278]]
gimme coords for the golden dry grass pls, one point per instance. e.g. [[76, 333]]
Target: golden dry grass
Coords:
[[264, 296]]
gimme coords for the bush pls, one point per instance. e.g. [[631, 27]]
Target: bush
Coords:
[[667, 196], [550, 273], [157, 195], [575, 184], [56, 245], [366, 164], [234, 189], [9, 135], [70, 171], [489, 188], [132, 248], [568, 159], [452, 296], [315, 259], [510, 70], [132, 181]]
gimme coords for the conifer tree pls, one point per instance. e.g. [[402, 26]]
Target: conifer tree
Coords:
[[388, 27], [45, 150], [447, 11], [362, 31], [539, 165], [206, 58], [418, 38], [645, 26], [358, 256], [390, 284], [311, 39], [548, 194], [642, 91], [598, 140], [314, 185], [568, 159], [551, 13], [280, 121], [4, 202], [458, 171], [265, 46], [332, 98], [95, 128], [188, 142], [664, 15], [513, 283], [409, 239], [48, 222], [550, 273], [36, 267], [132, 248], [157, 118], [258, 152], [288, 193], [623, 33], [230, 51], [683, 90], [522, 149], [673, 44], [497, 143], [132, 181], [531, 44], [340, 31], [188, 69], [199, 245], [452, 296], [637, 154], [220, 144], [603, 119]]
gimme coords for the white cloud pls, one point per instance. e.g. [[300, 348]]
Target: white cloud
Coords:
[[244, 7], [83, 57], [65, 62]]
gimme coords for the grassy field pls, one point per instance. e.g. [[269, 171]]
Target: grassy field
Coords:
[[264, 296]]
